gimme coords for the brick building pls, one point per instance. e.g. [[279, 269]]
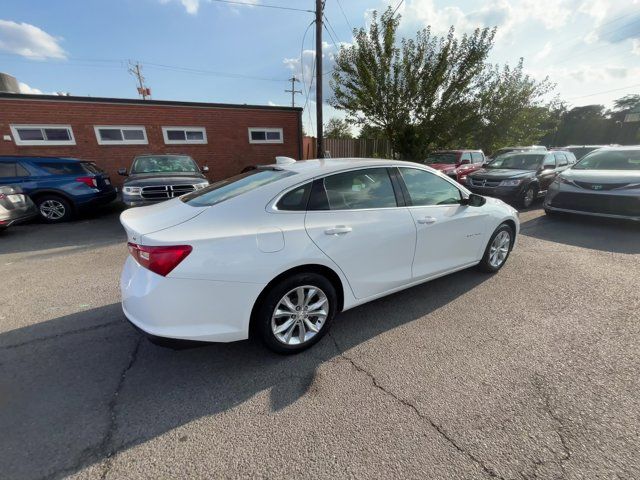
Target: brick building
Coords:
[[111, 131]]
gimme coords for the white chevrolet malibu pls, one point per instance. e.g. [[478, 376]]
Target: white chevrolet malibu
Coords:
[[278, 251]]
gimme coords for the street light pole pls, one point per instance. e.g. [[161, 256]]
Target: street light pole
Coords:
[[320, 140]]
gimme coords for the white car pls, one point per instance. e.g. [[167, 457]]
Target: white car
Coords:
[[278, 251]]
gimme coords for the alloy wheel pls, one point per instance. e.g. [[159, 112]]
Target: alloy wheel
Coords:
[[52, 209], [300, 315], [528, 197], [499, 249]]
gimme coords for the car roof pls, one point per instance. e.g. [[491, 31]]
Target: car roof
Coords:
[[317, 167], [40, 158], [457, 150]]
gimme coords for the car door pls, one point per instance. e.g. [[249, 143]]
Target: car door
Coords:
[[562, 162], [354, 218], [548, 173], [449, 234]]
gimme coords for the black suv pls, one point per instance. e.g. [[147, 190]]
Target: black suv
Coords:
[[155, 178], [519, 177]]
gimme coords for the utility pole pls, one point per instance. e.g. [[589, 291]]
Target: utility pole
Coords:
[[293, 90], [319, 15], [136, 71]]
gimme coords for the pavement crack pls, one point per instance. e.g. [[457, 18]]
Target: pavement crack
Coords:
[[539, 383], [60, 335], [450, 440], [105, 447]]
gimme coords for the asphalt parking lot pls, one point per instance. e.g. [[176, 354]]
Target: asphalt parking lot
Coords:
[[530, 373]]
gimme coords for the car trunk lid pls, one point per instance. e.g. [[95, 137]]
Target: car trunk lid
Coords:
[[146, 220]]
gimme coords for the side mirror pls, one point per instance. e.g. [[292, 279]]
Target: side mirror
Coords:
[[474, 200], [466, 161], [123, 172], [205, 169]]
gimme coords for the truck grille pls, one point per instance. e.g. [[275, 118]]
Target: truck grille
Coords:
[[162, 192], [481, 182]]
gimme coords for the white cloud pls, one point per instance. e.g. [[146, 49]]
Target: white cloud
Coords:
[[635, 46], [544, 53], [193, 6], [29, 41], [24, 88], [306, 72]]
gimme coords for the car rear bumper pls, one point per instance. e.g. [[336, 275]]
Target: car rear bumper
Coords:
[[184, 309], [17, 217], [96, 199]]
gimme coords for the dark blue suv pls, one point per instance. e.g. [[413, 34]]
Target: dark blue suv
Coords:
[[60, 187]]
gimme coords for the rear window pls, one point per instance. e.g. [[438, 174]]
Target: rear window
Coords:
[[234, 186], [442, 157], [66, 168]]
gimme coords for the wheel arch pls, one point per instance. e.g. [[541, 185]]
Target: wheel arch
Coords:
[[49, 191], [323, 270]]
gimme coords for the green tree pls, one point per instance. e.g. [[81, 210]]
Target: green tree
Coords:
[[513, 109], [337, 128], [420, 92]]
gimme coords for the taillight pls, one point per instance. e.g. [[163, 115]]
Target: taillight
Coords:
[[88, 181], [161, 259]]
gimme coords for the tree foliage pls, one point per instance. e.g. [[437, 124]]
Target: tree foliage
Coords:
[[337, 128], [434, 92]]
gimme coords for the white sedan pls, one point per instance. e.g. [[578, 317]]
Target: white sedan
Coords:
[[278, 251]]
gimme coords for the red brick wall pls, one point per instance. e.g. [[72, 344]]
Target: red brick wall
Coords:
[[226, 153]]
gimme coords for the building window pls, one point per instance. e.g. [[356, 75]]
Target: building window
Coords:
[[43, 135], [266, 135], [120, 135], [176, 135]]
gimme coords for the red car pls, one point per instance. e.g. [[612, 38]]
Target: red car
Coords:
[[457, 164]]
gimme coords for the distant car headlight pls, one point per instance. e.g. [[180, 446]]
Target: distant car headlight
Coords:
[[132, 190], [510, 183], [198, 186]]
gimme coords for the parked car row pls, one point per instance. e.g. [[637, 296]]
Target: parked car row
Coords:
[[59, 188]]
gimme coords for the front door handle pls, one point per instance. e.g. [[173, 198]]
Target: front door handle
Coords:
[[338, 230], [427, 220]]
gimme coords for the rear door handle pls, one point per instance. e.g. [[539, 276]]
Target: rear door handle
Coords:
[[338, 230], [427, 220]]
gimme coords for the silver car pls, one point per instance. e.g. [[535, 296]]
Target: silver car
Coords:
[[15, 206], [604, 183]]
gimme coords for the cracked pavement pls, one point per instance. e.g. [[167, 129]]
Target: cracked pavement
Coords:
[[532, 373]]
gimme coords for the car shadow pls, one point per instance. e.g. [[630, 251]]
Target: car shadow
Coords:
[[77, 389], [100, 227], [607, 235]]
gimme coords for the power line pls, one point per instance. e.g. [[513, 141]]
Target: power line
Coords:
[[333, 30], [264, 5], [345, 15], [399, 4], [210, 72], [605, 91]]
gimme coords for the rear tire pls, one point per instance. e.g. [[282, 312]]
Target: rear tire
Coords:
[[498, 249], [289, 324], [54, 208]]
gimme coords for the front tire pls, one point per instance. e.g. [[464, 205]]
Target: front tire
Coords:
[[296, 313], [54, 209], [529, 196], [498, 249]]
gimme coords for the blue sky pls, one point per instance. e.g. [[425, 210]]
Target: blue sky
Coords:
[[203, 50]]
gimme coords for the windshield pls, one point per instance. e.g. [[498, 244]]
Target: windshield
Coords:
[[164, 164], [610, 160], [444, 157], [580, 152], [517, 161], [233, 186]]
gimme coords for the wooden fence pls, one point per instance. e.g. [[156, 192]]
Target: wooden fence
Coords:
[[349, 148]]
